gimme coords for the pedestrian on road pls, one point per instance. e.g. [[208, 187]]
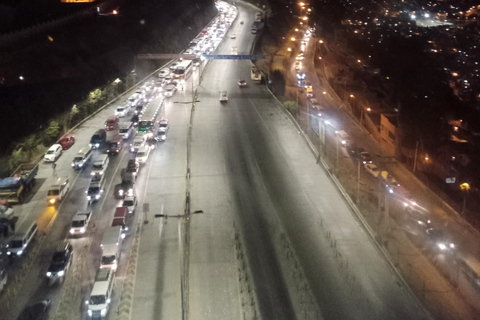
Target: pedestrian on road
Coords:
[[54, 165]]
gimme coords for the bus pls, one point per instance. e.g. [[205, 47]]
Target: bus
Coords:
[[145, 126], [183, 69]]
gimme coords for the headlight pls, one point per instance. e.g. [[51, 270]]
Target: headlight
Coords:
[[452, 245], [72, 231], [19, 253], [120, 192], [9, 253], [90, 144], [89, 312], [97, 145], [82, 230], [103, 312], [49, 274], [73, 164], [97, 196], [123, 234], [442, 246], [130, 192], [61, 273], [114, 266], [52, 201], [89, 198], [93, 173]]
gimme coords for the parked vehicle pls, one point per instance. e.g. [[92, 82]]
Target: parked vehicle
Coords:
[[67, 141], [15, 188], [53, 153]]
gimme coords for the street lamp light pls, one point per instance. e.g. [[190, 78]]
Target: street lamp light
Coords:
[[464, 187]]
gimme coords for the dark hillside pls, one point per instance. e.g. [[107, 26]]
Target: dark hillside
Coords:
[[88, 54]]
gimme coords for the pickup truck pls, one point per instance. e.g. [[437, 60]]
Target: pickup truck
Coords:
[[80, 223], [15, 188]]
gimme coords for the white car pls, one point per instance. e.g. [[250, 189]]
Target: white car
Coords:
[[164, 73], [223, 96], [163, 127], [372, 169], [53, 153], [169, 90], [131, 203], [142, 154], [121, 112]]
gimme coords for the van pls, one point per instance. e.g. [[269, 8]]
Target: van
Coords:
[[95, 190], [21, 239], [126, 130], [142, 154], [98, 139], [115, 145], [100, 165], [101, 294], [82, 157], [58, 190]]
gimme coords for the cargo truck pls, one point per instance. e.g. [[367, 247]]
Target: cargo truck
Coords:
[[111, 242], [256, 75], [15, 188]]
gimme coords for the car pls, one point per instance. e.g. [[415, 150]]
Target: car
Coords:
[[389, 179], [67, 141], [342, 137], [142, 154], [163, 125], [372, 169], [242, 83], [161, 135], [111, 123], [173, 66], [364, 156], [233, 36], [352, 149], [169, 90], [309, 92], [299, 57], [163, 73], [61, 261], [125, 189], [440, 238], [131, 203], [37, 311], [301, 76], [139, 109], [298, 65], [223, 96], [121, 112], [53, 153]]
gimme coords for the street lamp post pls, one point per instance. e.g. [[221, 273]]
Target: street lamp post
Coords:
[[182, 244]]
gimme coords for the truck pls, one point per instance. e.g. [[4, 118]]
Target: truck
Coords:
[[256, 75], [111, 243], [121, 218], [15, 188], [80, 222]]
